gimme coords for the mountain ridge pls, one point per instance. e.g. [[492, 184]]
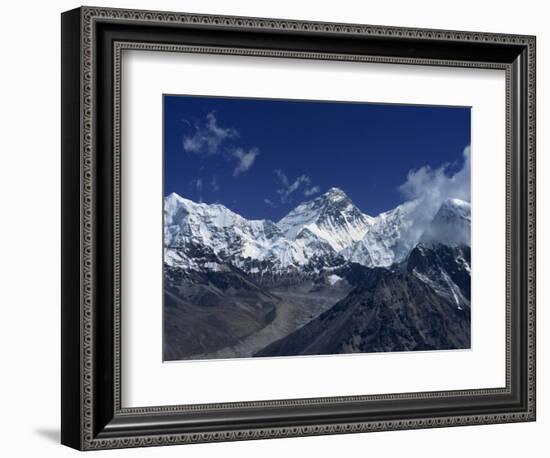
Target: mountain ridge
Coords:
[[320, 233]]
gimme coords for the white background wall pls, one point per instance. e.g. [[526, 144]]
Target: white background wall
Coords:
[[30, 240]]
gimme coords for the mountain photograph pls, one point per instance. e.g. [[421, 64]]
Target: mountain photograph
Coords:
[[295, 228]]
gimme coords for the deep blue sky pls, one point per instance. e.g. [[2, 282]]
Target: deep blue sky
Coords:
[[364, 149]]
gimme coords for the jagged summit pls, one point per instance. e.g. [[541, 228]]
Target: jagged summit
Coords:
[[175, 200], [457, 207], [395, 233], [450, 226], [332, 217], [335, 194]]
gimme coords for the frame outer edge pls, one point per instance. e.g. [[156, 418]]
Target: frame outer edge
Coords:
[[71, 307], [308, 26], [86, 400]]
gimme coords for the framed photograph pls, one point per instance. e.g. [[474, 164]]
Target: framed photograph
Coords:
[[277, 228]]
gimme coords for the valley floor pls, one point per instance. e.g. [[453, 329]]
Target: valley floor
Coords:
[[297, 307]]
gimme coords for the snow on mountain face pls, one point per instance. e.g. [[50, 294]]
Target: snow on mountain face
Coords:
[[387, 240], [445, 269], [450, 226], [395, 233], [216, 227], [332, 217], [235, 239], [320, 233]]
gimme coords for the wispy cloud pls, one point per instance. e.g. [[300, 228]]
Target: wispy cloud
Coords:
[[270, 203], [214, 185], [245, 159], [311, 191], [435, 185], [282, 177], [208, 136], [197, 185], [288, 187], [431, 187]]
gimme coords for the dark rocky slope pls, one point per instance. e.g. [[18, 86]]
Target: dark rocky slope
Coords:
[[392, 311]]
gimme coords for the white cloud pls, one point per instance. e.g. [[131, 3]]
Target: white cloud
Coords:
[[246, 159], [430, 187], [270, 203], [214, 186], [197, 185], [208, 137], [282, 177], [301, 180], [311, 191], [287, 187], [435, 185]]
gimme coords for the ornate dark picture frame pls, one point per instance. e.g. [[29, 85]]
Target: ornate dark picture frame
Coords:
[[92, 42]]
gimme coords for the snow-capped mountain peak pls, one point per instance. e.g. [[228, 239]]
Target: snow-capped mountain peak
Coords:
[[459, 208], [393, 234], [255, 245], [215, 226], [450, 225], [332, 217], [335, 195], [387, 240]]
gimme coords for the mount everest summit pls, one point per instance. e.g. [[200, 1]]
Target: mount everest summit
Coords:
[[327, 278]]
